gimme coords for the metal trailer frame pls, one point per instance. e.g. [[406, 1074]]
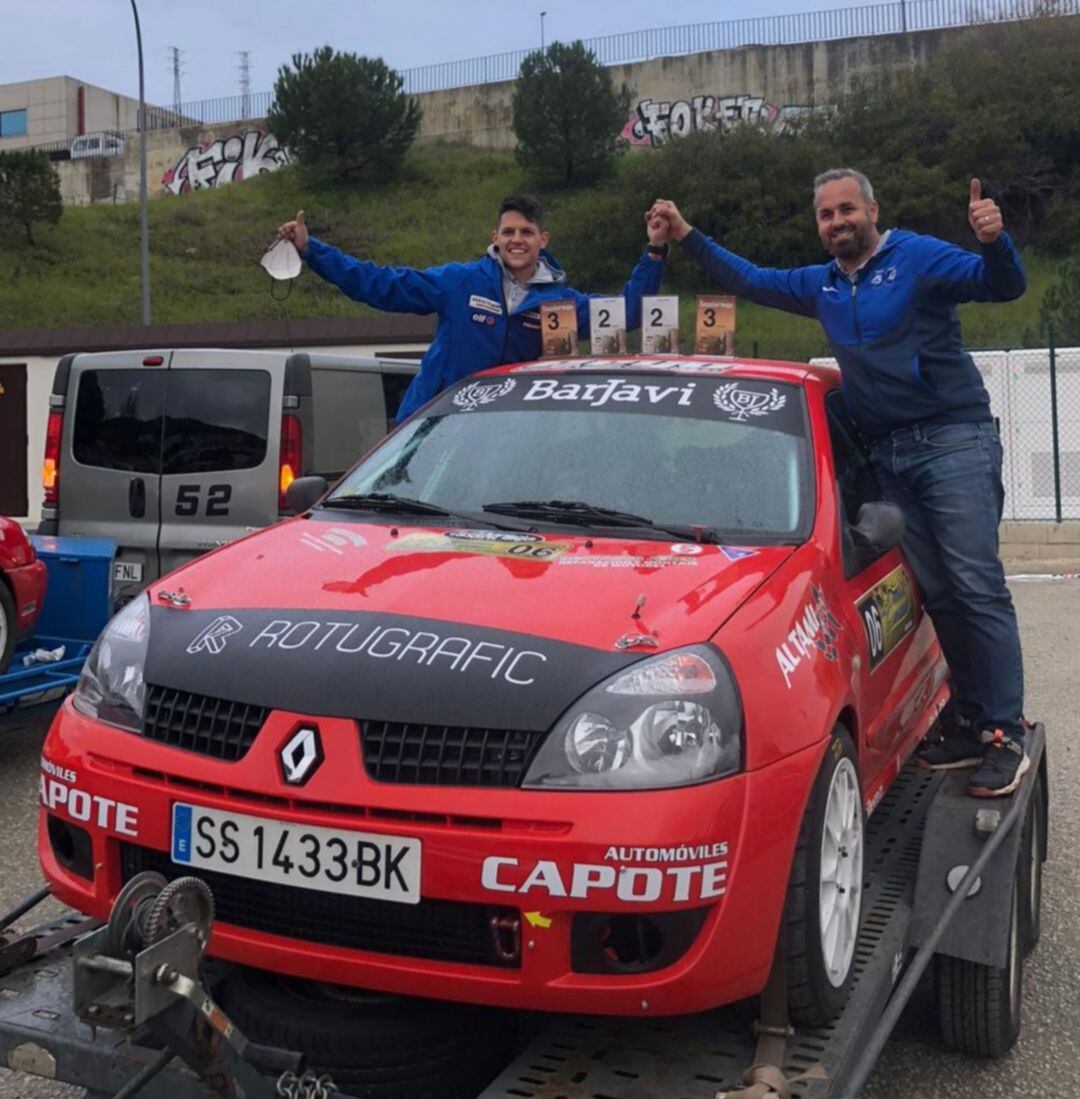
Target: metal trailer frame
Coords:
[[917, 903]]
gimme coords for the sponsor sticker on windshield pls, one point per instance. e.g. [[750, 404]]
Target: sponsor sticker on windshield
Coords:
[[490, 543], [743, 401]]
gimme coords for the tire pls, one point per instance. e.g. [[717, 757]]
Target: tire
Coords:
[[7, 627], [826, 886], [1033, 848], [374, 1046], [979, 1005]]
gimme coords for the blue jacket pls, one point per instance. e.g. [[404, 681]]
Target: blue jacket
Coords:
[[894, 328], [474, 330]]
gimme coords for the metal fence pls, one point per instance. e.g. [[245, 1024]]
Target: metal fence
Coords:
[[869, 20]]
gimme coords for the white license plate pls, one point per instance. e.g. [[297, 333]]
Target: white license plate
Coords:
[[127, 570], [328, 859]]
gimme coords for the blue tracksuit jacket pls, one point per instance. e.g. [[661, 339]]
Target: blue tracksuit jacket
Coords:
[[893, 329], [474, 329]]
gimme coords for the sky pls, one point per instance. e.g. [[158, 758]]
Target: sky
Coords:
[[94, 40]]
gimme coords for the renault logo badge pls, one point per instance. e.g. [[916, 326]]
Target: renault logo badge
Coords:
[[300, 755]]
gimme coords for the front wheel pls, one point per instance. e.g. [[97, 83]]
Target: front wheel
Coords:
[[824, 899], [7, 627]]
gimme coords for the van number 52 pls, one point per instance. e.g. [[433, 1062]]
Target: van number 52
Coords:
[[217, 500]]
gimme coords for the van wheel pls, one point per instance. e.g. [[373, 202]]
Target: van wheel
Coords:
[[7, 627], [1032, 853], [979, 1005], [374, 1045], [824, 899]]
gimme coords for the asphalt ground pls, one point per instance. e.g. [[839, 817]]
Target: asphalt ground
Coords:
[[1046, 1060]]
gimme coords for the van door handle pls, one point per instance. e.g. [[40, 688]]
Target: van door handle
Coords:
[[137, 498]]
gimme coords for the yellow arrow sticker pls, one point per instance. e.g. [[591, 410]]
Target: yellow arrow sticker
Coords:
[[538, 919]]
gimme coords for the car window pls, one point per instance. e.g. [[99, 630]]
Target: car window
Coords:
[[118, 420], [855, 475], [673, 450], [350, 417], [217, 420], [394, 386]]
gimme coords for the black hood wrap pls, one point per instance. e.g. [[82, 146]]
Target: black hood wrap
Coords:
[[376, 667]]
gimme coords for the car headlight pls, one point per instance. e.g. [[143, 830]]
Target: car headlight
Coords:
[[671, 720], [112, 687]]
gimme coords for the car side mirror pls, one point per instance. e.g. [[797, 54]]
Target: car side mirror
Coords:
[[879, 526], [304, 492]]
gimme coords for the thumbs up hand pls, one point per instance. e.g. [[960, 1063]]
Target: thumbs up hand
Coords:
[[296, 231], [984, 215]]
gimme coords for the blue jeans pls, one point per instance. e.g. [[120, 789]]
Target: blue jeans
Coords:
[[947, 480]]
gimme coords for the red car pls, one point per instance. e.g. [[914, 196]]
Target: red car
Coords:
[[22, 588], [573, 695]]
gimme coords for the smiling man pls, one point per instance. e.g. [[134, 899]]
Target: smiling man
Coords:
[[887, 302], [488, 309]]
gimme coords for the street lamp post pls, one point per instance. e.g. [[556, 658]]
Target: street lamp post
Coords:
[[144, 244], [542, 14]]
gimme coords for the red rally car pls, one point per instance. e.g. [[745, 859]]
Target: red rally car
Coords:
[[573, 695], [22, 588]]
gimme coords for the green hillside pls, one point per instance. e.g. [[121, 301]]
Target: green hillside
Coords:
[[205, 248]]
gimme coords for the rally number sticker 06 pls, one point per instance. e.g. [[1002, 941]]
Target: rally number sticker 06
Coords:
[[887, 611]]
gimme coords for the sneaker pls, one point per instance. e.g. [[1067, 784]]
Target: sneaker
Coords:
[[1005, 762], [958, 746]]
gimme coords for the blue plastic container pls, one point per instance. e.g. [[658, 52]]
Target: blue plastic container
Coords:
[[78, 601]]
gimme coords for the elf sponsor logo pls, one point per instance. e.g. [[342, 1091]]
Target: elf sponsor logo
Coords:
[[598, 394], [600, 881], [814, 631], [493, 660], [57, 793]]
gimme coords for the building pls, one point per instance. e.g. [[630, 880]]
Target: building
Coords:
[[59, 109]]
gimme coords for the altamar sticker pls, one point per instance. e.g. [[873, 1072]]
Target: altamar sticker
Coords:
[[814, 631]]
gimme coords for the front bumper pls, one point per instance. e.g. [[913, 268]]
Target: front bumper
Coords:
[[538, 872], [28, 585]]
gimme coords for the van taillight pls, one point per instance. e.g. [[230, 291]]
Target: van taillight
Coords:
[[50, 468], [292, 446]]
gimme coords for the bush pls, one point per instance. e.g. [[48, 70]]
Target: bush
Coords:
[[567, 116], [340, 113], [29, 190]]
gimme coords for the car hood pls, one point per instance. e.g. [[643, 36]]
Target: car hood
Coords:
[[434, 624]]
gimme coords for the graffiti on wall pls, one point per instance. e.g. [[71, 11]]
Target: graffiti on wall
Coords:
[[655, 122], [225, 160]]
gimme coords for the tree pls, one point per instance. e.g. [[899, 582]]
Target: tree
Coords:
[[29, 190], [567, 116], [1061, 306], [343, 113]]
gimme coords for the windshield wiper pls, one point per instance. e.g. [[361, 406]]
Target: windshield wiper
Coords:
[[384, 501], [580, 512]]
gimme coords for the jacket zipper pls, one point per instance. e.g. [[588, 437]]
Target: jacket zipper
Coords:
[[506, 320], [854, 308]]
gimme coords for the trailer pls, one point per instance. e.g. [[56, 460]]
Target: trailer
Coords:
[[129, 1008]]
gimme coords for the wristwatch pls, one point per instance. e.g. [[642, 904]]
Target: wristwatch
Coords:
[[660, 250]]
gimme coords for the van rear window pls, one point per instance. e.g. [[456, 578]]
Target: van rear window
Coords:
[[118, 420], [216, 420]]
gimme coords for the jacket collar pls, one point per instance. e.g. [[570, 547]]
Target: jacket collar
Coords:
[[890, 239]]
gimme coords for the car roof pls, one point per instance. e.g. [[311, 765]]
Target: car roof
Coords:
[[684, 365]]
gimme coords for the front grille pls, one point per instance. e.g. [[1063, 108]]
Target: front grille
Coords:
[[444, 931], [446, 755], [199, 723]]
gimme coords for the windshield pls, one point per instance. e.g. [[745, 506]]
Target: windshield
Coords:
[[721, 453]]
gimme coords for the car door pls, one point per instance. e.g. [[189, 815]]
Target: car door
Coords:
[[881, 605], [111, 449], [220, 446]]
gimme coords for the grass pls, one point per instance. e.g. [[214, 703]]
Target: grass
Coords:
[[205, 248]]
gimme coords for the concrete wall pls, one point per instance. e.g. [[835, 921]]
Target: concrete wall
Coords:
[[52, 107], [176, 160], [777, 77]]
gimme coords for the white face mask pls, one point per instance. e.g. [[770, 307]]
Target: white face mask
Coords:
[[282, 260]]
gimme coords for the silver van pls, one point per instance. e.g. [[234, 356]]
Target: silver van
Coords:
[[171, 453]]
